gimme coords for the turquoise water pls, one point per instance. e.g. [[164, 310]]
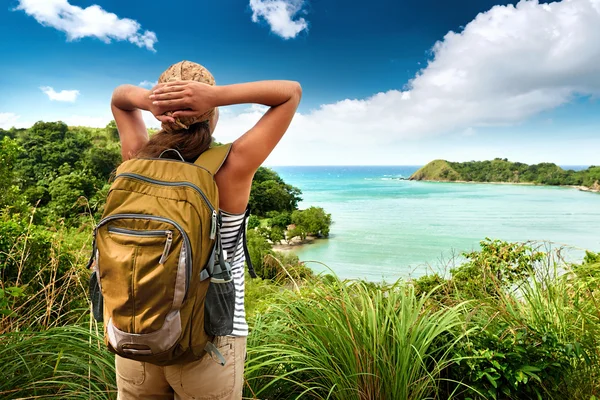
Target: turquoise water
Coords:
[[386, 228]]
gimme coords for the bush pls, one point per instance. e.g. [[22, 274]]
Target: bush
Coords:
[[312, 221], [270, 193], [283, 267], [253, 222], [346, 341], [533, 343], [61, 363], [498, 265], [279, 219], [258, 248]]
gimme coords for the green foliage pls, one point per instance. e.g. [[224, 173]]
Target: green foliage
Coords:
[[66, 192], [502, 170], [275, 234], [498, 265], [112, 131], [9, 191], [55, 166], [436, 170], [346, 340], [24, 250], [258, 248], [285, 267], [46, 147], [253, 222], [279, 219], [62, 363], [591, 258], [7, 299], [101, 162], [270, 193], [312, 221], [533, 343], [257, 296]]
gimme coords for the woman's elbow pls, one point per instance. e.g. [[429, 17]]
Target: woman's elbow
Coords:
[[297, 88]]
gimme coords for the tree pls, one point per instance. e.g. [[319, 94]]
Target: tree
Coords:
[[46, 147], [9, 152], [258, 247], [279, 219], [270, 193], [111, 129], [312, 221], [102, 161], [66, 191], [253, 222]]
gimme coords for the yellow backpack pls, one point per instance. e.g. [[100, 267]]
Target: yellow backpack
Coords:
[[160, 280]]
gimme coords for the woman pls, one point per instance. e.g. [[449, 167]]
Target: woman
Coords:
[[186, 101]]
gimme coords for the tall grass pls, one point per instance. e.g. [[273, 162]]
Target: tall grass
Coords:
[[351, 340], [67, 362], [473, 335], [49, 345], [538, 339]]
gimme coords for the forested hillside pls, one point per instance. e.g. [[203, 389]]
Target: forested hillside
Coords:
[[502, 170]]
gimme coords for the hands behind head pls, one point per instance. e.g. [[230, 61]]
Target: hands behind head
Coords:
[[182, 98]]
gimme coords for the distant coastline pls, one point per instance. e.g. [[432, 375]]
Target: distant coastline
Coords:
[[504, 172]]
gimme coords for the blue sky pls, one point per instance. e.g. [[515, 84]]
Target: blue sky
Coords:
[[385, 82]]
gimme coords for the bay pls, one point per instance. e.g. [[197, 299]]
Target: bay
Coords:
[[386, 228]]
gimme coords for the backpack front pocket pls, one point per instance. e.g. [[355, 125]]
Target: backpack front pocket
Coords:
[[143, 268]]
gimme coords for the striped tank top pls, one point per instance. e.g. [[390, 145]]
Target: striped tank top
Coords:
[[230, 228]]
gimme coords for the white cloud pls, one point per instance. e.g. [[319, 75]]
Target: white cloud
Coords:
[[8, 120], [280, 14], [91, 21], [508, 64], [64, 95], [148, 84]]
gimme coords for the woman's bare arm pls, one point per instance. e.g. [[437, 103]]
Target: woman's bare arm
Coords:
[[252, 148], [127, 101]]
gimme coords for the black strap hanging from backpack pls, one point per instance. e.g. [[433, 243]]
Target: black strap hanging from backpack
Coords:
[[245, 245]]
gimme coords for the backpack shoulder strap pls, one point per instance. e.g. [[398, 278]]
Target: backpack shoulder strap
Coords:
[[213, 158]]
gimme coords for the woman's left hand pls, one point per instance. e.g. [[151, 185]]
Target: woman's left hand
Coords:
[[190, 98]]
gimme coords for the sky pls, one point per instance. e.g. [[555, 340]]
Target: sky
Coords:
[[385, 82]]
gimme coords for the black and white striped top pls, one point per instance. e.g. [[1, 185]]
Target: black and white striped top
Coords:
[[229, 235]]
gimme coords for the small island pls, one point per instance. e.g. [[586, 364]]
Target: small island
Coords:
[[500, 170]]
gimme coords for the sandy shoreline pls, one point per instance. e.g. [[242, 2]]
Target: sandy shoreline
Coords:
[[581, 188], [296, 244]]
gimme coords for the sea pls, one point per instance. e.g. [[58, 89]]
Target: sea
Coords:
[[385, 228]]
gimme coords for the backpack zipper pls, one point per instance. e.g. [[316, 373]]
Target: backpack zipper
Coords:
[[186, 239], [132, 232], [213, 227]]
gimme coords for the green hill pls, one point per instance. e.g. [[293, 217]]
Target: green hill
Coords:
[[436, 170], [502, 170]]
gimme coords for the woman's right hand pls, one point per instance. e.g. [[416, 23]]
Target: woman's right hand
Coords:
[[189, 98]]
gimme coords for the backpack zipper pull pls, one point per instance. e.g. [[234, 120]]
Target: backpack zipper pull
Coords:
[[165, 253], [213, 226]]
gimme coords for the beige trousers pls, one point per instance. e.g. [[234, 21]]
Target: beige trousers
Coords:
[[203, 379]]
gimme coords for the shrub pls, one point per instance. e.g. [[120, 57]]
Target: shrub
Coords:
[[313, 221], [345, 341], [61, 363]]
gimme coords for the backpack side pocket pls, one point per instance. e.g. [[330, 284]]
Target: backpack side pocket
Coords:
[[219, 307], [96, 296]]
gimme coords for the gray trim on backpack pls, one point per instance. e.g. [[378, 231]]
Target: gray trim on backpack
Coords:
[[181, 276], [167, 150], [155, 342]]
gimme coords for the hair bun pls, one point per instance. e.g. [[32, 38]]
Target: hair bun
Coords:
[[186, 71]]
